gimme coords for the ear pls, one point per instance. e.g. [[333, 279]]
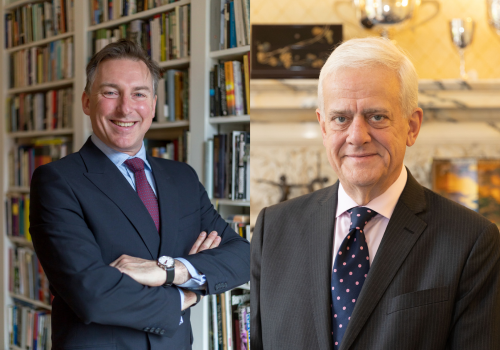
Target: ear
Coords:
[[85, 103], [154, 107], [321, 122], [414, 123]]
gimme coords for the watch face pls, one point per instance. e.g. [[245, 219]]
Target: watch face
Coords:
[[167, 261]]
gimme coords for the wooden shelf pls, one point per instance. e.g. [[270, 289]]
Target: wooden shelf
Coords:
[[176, 63], [41, 87], [21, 241], [230, 53], [19, 189], [39, 42], [245, 286], [169, 125], [31, 301], [229, 202], [230, 119], [18, 3], [36, 133], [139, 15]]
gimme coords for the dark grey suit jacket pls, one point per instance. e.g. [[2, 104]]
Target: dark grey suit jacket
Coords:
[[434, 282]]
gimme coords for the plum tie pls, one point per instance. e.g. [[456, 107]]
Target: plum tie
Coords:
[[144, 190]]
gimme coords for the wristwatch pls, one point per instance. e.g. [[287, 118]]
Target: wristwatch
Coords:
[[168, 264]]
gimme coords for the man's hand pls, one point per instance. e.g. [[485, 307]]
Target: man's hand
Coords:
[[189, 299], [146, 272], [203, 242]]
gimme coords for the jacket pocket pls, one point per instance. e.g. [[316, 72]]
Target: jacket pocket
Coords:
[[418, 298]]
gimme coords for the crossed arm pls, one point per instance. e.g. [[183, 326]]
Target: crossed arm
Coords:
[[148, 273]]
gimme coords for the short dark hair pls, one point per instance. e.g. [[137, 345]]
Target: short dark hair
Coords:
[[122, 49]]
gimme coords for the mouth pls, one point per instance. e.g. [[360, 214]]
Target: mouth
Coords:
[[361, 156], [123, 124]]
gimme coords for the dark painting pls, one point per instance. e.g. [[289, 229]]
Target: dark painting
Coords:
[[292, 51]]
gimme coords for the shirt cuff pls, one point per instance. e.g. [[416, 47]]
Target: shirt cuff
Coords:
[[182, 303], [197, 281]]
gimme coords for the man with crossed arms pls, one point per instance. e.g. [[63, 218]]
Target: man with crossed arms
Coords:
[[375, 261], [108, 221]]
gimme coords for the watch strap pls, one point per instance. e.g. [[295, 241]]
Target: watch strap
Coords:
[[170, 275]]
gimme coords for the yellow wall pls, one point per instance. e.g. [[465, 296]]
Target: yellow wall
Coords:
[[429, 45]]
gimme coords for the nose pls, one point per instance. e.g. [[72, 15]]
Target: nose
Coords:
[[359, 131], [124, 106]]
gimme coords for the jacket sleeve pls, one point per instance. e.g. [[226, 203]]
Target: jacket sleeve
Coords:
[[255, 314], [228, 265], [72, 261], [476, 318]]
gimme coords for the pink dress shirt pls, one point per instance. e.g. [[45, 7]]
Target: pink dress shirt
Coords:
[[374, 231]]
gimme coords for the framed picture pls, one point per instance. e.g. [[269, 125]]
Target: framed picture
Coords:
[[292, 51], [472, 182]]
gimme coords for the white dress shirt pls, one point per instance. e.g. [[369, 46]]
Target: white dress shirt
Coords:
[[375, 228]]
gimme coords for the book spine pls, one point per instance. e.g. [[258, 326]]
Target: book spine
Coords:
[[232, 26], [238, 88], [222, 86]]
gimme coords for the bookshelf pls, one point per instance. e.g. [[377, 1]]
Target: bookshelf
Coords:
[[200, 125]]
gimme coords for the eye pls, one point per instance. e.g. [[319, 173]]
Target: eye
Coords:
[[340, 120], [378, 117]]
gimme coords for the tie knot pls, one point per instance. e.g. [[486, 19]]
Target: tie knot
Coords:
[[135, 164], [360, 217]]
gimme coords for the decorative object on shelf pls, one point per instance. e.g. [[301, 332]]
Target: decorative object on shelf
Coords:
[[385, 15], [493, 13], [462, 31], [292, 51]]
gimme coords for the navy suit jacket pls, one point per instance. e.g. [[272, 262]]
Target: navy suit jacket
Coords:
[[84, 215]]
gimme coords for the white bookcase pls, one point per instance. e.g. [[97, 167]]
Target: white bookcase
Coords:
[[200, 125]]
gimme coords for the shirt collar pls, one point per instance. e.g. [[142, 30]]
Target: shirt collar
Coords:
[[118, 157], [383, 204]]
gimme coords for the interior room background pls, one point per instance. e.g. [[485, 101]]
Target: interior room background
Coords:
[[460, 121]]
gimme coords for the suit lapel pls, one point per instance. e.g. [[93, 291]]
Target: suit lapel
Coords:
[[402, 232], [105, 176], [321, 225], [168, 200]]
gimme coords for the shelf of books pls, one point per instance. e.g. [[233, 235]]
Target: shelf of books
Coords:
[[227, 158], [37, 128]]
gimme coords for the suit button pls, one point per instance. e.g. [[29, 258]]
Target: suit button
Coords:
[[157, 331], [162, 332], [146, 329]]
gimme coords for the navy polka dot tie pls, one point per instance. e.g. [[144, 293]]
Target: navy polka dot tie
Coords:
[[144, 190], [349, 272]]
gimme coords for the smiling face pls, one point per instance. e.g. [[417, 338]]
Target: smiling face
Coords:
[[121, 104], [364, 131]]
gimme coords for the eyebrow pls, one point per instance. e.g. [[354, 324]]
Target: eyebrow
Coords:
[[364, 111], [136, 88]]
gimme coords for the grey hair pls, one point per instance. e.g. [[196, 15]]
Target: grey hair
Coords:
[[122, 49], [369, 52]]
